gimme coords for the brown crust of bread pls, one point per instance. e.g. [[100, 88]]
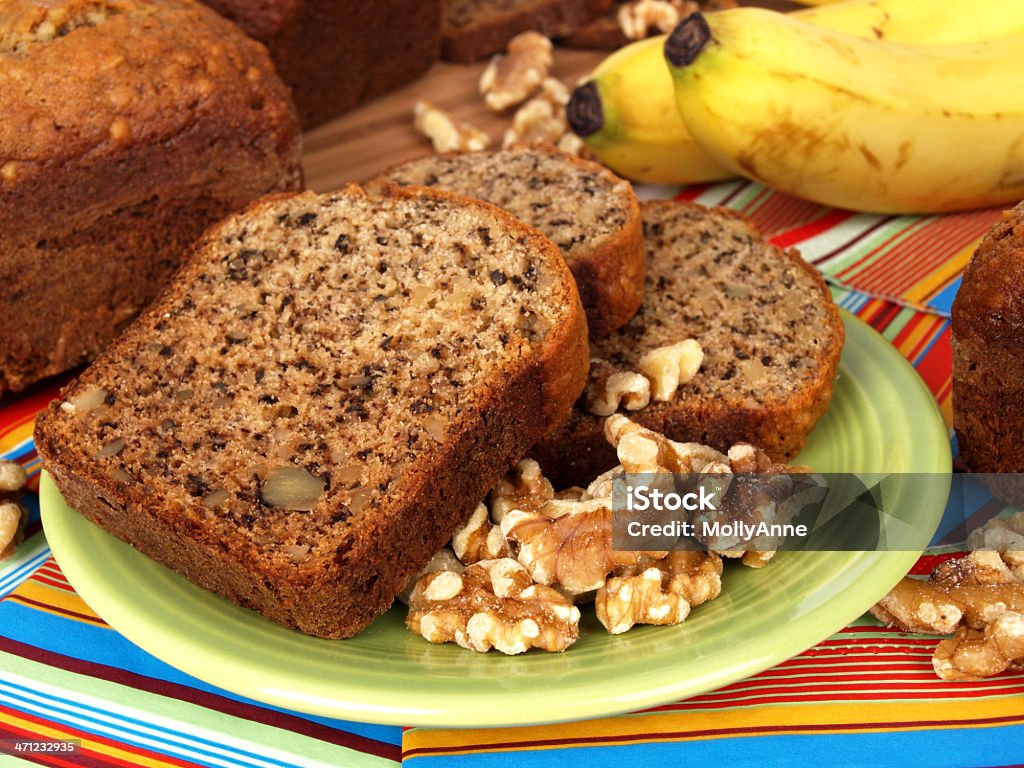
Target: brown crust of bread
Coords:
[[609, 276], [988, 367], [342, 595], [149, 150], [577, 451], [336, 55], [553, 18]]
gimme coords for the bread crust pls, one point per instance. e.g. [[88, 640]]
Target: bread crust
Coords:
[[336, 55], [577, 451], [610, 273], [472, 41], [988, 367], [343, 593], [147, 151]]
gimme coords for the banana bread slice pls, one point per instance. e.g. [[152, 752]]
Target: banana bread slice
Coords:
[[582, 207], [770, 333], [325, 392]]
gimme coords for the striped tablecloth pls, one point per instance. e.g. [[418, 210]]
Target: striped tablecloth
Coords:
[[866, 696]]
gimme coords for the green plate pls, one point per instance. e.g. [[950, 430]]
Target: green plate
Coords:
[[882, 418]]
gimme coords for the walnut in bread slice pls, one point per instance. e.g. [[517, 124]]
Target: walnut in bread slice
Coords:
[[328, 388]]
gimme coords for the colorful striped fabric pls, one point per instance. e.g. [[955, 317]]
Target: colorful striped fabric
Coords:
[[866, 696]]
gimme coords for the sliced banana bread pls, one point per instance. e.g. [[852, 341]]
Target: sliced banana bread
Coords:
[[770, 334], [325, 392], [582, 207]]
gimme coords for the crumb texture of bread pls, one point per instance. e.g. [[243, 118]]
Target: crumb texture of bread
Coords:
[[129, 126], [337, 54], [327, 390], [474, 29], [770, 333], [581, 206], [988, 341]]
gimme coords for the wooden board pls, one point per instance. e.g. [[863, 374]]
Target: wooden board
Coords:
[[369, 139]]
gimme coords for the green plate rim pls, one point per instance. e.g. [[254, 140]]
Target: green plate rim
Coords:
[[235, 664]]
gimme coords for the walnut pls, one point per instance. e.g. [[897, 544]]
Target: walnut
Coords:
[[444, 132], [511, 78], [659, 593], [13, 518], [669, 366], [542, 118], [524, 488], [608, 389], [1005, 535], [13, 480], [443, 560], [492, 604], [638, 18], [479, 539], [568, 544], [973, 590], [641, 450], [972, 654], [978, 597]]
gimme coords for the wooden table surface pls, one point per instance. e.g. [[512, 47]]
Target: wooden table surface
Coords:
[[369, 139]]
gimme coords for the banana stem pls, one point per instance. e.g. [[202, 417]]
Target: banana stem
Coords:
[[584, 111], [687, 40]]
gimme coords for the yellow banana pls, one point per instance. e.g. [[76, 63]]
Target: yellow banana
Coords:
[[849, 122], [627, 112]]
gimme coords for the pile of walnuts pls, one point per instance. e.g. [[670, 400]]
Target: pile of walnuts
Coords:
[[523, 562]]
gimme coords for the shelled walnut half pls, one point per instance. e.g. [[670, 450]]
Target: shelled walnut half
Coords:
[[979, 599], [492, 604]]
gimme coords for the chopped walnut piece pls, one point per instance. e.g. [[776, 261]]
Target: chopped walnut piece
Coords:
[[978, 597], [443, 560], [542, 118], [13, 480], [669, 366], [638, 18], [479, 539], [973, 590], [13, 517], [568, 544], [524, 488], [972, 654], [660, 593], [444, 132], [511, 78], [608, 390], [492, 604], [641, 450], [1005, 535]]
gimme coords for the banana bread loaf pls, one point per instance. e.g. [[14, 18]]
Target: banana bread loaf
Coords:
[[335, 54], [474, 29], [582, 207], [128, 127], [988, 357], [327, 389], [770, 334]]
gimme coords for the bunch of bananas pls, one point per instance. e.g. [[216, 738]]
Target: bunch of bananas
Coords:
[[876, 105]]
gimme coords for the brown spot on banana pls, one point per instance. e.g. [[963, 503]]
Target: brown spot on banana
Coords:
[[873, 161]]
